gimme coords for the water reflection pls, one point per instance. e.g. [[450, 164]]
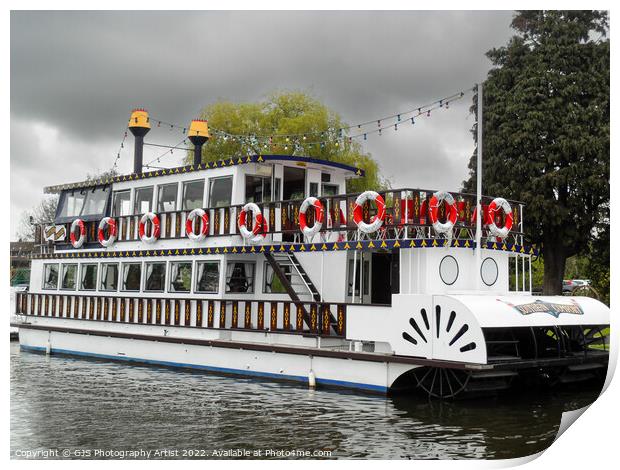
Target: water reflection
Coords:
[[67, 403]]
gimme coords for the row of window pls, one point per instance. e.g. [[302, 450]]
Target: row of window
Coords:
[[168, 198], [158, 276], [220, 195]]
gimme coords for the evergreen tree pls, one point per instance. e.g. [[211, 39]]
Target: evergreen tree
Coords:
[[546, 131]]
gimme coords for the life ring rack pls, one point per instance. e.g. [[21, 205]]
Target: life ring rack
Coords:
[[358, 215], [259, 226], [154, 219], [319, 216], [110, 223], [189, 224], [77, 242], [500, 204], [436, 200]]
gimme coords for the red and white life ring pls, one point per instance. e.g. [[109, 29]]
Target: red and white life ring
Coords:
[[77, 243], [319, 216], [259, 225], [111, 224], [500, 204], [358, 212], [152, 238], [189, 225], [438, 198]]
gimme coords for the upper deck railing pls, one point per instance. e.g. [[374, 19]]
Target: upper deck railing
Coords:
[[407, 217]]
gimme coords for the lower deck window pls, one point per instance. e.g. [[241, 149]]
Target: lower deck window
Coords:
[[240, 277], [155, 277], [273, 284], [50, 276], [89, 277], [131, 276], [109, 277], [69, 275], [180, 277], [208, 277]]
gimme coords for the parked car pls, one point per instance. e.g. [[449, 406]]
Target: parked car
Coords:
[[568, 285]]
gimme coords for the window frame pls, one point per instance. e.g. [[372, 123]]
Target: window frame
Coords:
[[226, 280], [169, 279], [100, 283], [122, 276], [219, 277], [45, 265], [183, 186], [218, 178], [62, 276], [113, 204], [144, 279], [265, 198], [135, 198], [176, 196], [82, 267], [266, 268]]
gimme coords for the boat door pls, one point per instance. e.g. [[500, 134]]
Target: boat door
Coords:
[[293, 187], [360, 276], [377, 273]]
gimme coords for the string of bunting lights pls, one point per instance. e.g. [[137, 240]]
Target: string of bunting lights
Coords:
[[254, 143]]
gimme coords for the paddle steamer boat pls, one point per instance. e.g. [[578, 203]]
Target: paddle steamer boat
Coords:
[[264, 266]]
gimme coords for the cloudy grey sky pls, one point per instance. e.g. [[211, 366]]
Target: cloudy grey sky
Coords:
[[75, 77]]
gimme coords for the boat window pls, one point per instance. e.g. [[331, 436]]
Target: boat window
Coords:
[[71, 204], [329, 190], [180, 276], [109, 277], [69, 275], [240, 277], [143, 200], [326, 177], [50, 276], [96, 200], [131, 276], [257, 188], [193, 192], [208, 277], [314, 189], [120, 203], [220, 191], [89, 277], [155, 277], [167, 197], [272, 283]]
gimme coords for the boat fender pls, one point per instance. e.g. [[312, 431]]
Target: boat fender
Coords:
[[358, 212], [319, 215], [311, 379], [152, 238], [112, 231], [189, 225], [435, 203], [77, 242], [259, 227], [500, 204]]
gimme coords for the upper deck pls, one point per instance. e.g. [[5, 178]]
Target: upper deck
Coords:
[[278, 184]]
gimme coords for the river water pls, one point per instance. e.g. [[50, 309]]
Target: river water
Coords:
[[75, 407]]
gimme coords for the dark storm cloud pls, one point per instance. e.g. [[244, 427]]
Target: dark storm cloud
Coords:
[[76, 75]]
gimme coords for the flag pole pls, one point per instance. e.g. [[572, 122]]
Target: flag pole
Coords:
[[479, 214]]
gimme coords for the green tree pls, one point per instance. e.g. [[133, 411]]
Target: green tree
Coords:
[[546, 130], [282, 114]]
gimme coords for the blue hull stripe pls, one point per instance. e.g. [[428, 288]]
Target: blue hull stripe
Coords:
[[296, 378]]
